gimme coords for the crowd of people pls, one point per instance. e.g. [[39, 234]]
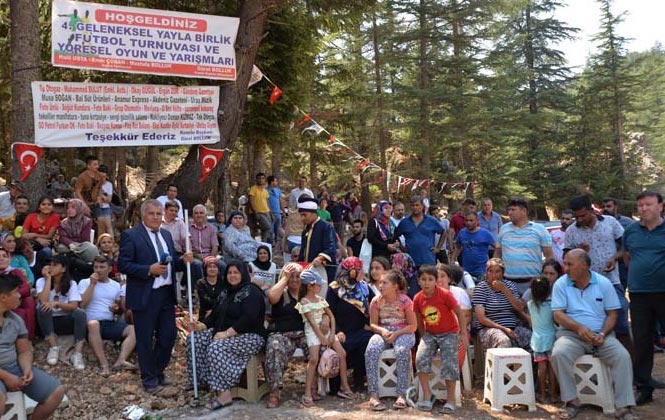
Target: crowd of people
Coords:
[[351, 286]]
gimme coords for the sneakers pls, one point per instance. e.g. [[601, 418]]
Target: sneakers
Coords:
[[52, 356], [77, 361]]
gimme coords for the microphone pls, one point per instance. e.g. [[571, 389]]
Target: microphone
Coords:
[[165, 259]]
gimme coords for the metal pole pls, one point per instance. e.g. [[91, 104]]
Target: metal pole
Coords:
[[188, 249]]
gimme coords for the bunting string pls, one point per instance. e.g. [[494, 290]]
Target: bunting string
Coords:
[[362, 163]]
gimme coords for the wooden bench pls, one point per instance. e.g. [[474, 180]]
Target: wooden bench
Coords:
[[251, 389]]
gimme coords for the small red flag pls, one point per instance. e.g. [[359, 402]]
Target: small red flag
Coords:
[[274, 96], [28, 155], [304, 120], [360, 166], [331, 140], [208, 158]]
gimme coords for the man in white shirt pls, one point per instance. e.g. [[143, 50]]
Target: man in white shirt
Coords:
[[99, 297], [297, 192], [171, 194]]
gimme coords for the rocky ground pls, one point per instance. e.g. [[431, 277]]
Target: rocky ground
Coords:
[[94, 397]]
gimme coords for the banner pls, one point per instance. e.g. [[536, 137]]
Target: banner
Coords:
[[136, 40], [27, 155], [69, 114]]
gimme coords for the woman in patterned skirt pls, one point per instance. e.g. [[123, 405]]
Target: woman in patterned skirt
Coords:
[[237, 333]]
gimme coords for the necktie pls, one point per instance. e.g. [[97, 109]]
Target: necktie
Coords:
[[160, 248]]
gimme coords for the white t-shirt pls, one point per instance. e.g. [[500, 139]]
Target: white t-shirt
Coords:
[[72, 296], [265, 276], [462, 297], [181, 215], [107, 190], [104, 295]]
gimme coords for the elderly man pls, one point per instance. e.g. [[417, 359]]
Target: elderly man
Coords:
[[203, 237], [148, 257], [585, 306]]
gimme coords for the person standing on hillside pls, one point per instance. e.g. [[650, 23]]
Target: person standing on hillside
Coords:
[[259, 210], [89, 183]]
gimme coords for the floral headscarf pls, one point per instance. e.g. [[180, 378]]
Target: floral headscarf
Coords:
[[350, 286], [403, 263]]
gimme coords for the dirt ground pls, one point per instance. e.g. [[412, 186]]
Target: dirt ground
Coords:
[[94, 397]]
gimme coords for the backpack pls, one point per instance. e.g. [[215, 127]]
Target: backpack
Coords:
[[329, 364]]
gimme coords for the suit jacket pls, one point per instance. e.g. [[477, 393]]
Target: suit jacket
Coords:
[[137, 254]]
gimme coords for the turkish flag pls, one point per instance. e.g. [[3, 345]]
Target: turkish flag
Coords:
[[28, 155], [208, 158], [274, 96]]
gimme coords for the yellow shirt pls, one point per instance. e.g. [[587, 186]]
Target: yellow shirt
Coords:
[[258, 197]]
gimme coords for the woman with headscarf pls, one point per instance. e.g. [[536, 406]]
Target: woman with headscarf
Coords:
[[75, 230], [238, 242], [403, 263], [287, 330], [209, 287], [236, 334], [380, 230], [26, 309], [348, 298], [18, 261], [263, 269]]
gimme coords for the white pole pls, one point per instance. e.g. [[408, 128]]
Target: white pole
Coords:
[[188, 249]]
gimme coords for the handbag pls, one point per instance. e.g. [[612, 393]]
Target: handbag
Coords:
[[329, 364]]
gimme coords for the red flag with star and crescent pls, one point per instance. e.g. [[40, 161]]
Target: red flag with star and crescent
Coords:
[[208, 158], [27, 155]]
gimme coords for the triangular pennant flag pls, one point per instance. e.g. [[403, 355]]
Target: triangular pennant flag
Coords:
[[363, 163], [208, 158], [255, 77], [304, 120], [382, 177], [274, 96], [331, 139], [314, 127], [27, 155]]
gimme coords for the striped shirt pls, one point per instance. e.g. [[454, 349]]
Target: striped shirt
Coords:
[[496, 304], [521, 249]]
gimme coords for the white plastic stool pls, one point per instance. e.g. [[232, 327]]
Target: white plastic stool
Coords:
[[436, 384], [14, 406], [388, 374], [594, 383], [509, 378]]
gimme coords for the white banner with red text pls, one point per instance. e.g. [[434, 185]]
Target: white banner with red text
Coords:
[[137, 40], [69, 114]]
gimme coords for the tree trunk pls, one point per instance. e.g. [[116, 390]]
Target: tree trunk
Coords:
[[25, 61], [233, 97], [423, 85], [380, 116]]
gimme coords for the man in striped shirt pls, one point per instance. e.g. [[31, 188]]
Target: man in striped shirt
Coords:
[[521, 244]]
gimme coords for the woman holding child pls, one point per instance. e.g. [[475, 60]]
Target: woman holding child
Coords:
[[393, 322], [498, 308], [237, 333]]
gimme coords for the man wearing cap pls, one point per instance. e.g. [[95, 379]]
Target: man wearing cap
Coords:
[[521, 244], [319, 242], [7, 199]]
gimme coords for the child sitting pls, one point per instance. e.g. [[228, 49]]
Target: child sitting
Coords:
[[544, 334], [319, 331], [16, 370], [441, 325]]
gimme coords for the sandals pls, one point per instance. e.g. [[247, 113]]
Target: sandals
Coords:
[[125, 366], [448, 408], [626, 414], [104, 372], [426, 405], [347, 395], [569, 411], [399, 404], [214, 404], [307, 401], [376, 405]]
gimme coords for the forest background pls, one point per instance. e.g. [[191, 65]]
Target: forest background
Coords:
[[450, 90]]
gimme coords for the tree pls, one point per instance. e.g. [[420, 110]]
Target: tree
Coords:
[[25, 64]]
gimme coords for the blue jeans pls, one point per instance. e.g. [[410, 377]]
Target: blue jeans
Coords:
[[74, 322], [621, 326], [276, 224]]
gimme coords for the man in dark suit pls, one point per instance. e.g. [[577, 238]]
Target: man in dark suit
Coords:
[[148, 258]]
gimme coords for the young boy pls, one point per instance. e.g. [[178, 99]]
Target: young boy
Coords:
[[441, 325], [16, 370]]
